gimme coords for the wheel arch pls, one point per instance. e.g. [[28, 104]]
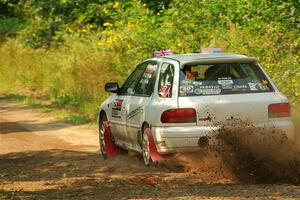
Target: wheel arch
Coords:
[[101, 114]]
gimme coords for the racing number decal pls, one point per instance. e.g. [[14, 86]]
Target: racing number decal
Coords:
[[116, 108]]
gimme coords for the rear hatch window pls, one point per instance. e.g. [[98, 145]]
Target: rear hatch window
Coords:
[[226, 78]]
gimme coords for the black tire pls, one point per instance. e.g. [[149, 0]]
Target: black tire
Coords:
[[101, 136], [145, 148]]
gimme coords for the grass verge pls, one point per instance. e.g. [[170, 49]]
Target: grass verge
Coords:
[[68, 113]]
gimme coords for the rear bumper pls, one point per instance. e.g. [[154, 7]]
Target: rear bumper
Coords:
[[186, 138]]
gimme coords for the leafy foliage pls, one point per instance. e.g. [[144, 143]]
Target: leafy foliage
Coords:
[[68, 49]]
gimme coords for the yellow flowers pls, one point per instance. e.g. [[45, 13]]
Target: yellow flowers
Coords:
[[107, 24], [105, 11], [130, 25], [110, 41], [85, 29], [100, 43], [116, 5], [297, 94], [294, 80], [70, 30], [91, 26]]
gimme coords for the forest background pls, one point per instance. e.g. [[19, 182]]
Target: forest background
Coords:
[[64, 51]]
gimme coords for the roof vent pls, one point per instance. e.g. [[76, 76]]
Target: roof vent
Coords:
[[211, 50]]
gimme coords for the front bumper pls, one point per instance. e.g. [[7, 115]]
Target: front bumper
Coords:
[[186, 138]]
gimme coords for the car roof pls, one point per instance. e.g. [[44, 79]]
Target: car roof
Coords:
[[198, 58]]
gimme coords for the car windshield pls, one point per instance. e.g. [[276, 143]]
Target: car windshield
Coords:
[[222, 78]]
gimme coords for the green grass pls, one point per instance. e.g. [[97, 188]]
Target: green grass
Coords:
[[15, 97], [76, 58], [68, 114], [77, 119]]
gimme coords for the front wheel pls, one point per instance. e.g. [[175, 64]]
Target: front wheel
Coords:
[[145, 148], [101, 136]]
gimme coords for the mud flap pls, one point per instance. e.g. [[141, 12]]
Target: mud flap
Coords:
[[111, 148], [155, 156]]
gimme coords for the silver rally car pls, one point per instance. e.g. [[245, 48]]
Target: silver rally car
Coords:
[[178, 102]]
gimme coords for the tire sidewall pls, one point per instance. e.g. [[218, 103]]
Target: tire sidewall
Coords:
[[147, 160], [101, 121]]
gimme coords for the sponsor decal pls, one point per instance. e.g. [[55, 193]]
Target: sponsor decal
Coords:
[[186, 89], [227, 87], [119, 103], [186, 82], [240, 87], [209, 87], [211, 91], [117, 107], [225, 82], [116, 113], [197, 83], [255, 86], [252, 86], [198, 91], [134, 112], [165, 91], [207, 90]]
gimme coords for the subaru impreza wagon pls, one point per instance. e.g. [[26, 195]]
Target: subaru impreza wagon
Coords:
[[177, 102]]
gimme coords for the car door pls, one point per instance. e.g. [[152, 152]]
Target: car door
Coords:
[[119, 106], [136, 103]]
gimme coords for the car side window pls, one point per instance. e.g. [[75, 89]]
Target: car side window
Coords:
[[128, 88], [166, 78], [146, 83]]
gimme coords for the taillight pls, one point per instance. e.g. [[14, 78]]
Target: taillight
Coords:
[[279, 110], [181, 115]]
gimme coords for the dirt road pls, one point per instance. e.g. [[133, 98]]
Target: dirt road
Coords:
[[43, 158]]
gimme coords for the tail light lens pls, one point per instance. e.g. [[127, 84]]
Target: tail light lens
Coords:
[[181, 115], [279, 110]]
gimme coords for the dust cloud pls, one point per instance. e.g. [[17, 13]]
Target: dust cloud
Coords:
[[248, 155]]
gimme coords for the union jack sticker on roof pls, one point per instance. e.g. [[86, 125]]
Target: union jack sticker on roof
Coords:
[[163, 53]]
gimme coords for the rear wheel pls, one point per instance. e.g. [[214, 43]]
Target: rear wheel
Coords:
[[101, 136], [145, 148]]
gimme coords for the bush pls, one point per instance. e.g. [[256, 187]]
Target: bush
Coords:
[[69, 49]]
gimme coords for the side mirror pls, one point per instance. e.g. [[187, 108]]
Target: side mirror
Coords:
[[112, 87]]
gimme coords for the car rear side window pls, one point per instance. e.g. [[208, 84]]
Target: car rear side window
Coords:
[[166, 78], [222, 78]]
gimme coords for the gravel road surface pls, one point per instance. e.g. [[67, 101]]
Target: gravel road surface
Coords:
[[44, 158]]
